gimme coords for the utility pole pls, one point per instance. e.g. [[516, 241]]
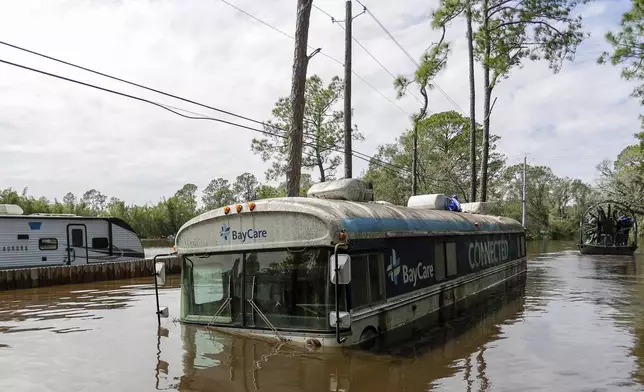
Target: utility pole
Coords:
[[523, 201], [298, 83], [348, 156]]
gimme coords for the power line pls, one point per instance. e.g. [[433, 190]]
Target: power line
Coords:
[[132, 83], [326, 13], [321, 52], [354, 153], [172, 109], [278, 30], [388, 33], [333, 20], [409, 56], [151, 89]]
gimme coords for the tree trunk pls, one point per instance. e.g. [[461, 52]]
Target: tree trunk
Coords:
[[414, 162], [300, 63], [486, 105], [486, 132], [470, 49], [320, 164], [421, 117]]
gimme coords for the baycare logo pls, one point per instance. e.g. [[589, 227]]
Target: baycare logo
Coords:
[[411, 275], [241, 235]]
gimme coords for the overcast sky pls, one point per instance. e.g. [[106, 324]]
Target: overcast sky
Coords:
[[59, 137]]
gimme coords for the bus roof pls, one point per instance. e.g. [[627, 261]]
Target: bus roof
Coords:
[[302, 222]]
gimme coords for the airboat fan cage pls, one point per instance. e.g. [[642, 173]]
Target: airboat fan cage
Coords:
[[608, 224]]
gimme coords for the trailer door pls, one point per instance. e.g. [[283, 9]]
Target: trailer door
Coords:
[[77, 252]]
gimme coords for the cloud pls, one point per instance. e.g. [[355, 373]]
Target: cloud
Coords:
[[60, 137]]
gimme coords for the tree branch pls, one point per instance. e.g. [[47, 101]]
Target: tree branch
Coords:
[[500, 8], [515, 22]]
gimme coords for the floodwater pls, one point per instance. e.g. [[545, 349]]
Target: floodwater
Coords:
[[576, 324]]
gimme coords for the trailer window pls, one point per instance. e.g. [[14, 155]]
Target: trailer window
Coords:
[[77, 238], [100, 243], [48, 243]]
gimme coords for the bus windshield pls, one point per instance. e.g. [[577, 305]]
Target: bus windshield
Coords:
[[290, 289]]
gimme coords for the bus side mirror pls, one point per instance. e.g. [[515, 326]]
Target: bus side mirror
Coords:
[[344, 268], [159, 269], [345, 319]]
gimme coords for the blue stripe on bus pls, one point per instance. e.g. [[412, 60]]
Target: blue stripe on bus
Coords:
[[370, 225]]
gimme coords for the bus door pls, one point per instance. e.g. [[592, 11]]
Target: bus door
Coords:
[[77, 252]]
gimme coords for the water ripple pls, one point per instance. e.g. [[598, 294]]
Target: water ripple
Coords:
[[576, 323]]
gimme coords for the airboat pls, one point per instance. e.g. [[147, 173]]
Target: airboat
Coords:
[[608, 228]]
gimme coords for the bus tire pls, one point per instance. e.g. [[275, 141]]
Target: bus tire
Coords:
[[368, 338]]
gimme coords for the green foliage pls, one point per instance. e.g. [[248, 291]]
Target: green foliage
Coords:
[[443, 160], [305, 184], [507, 32], [389, 183], [433, 60], [553, 203], [323, 131], [624, 179], [162, 219], [181, 207], [268, 192], [628, 48], [431, 63], [218, 193], [511, 31], [245, 187]]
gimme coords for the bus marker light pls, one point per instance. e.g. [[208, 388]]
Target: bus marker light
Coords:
[[239, 208], [251, 206], [226, 210]]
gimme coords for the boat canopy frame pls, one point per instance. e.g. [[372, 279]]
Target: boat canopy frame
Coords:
[[623, 208]]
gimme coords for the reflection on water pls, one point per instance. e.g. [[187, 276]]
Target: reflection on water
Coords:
[[576, 323], [219, 362]]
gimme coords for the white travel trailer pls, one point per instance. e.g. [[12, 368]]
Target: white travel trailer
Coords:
[[337, 268], [41, 240]]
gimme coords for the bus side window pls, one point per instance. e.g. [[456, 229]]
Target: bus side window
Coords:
[[359, 281], [376, 278], [367, 279], [450, 250], [439, 260]]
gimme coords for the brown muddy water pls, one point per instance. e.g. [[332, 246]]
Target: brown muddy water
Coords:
[[576, 324]]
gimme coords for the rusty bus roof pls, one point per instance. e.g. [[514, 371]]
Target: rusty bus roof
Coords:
[[362, 219]]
